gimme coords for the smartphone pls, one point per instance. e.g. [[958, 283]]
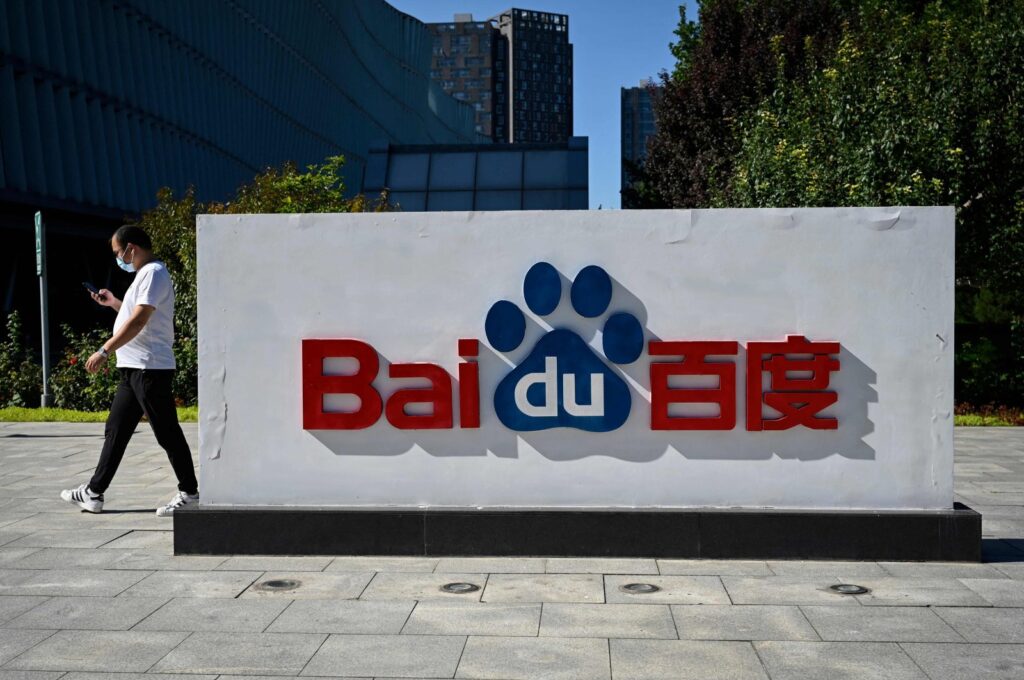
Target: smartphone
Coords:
[[91, 288]]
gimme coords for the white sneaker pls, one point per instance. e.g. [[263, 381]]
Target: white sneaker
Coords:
[[179, 500], [83, 498]]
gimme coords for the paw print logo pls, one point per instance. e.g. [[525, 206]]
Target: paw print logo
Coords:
[[563, 382]]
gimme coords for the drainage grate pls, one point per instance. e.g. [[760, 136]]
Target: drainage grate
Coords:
[[460, 587], [639, 588], [849, 589], [279, 584]]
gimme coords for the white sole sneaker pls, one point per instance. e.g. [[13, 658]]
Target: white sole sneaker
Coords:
[[82, 499], [178, 501]]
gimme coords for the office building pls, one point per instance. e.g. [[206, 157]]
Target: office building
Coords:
[[103, 103], [525, 176], [637, 120], [516, 70]]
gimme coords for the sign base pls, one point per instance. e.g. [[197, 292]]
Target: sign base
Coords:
[[941, 535]]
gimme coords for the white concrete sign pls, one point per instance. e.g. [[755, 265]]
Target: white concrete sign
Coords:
[[621, 359]]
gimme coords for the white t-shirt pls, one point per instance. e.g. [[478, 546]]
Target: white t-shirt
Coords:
[[152, 347]]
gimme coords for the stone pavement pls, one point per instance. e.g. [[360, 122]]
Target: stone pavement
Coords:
[[85, 597]]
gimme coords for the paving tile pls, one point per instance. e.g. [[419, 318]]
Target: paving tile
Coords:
[[80, 650], [714, 567], [784, 590], [161, 541], [77, 538], [492, 565], [600, 565], [742, 622], [313, 585], [9, 578], [414, 586], [136, 676], [920, 592], [212, 614], [14, 642], [837, 661], [543, 588], [13, 555], [66, 558], [607, 621], [145, 561], [88, 613], [941, 570], [387, 655], [684, 660], [880, 624], [270, 563], [985, 624], [7, 536], [472, 618], [969, 661], [997, 592], [170, 584], [674, 590], [343, 616], [526, 658], [240, 653], [12, 606], [31, 675], [75, 582], [1014, 570], [836, 569], [398, 564]]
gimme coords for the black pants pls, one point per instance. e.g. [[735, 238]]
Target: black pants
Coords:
[[144, 391]]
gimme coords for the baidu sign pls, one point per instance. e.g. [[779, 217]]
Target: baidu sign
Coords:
[[657, 359]]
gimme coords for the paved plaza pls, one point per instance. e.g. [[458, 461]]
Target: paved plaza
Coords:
[[85, 597]]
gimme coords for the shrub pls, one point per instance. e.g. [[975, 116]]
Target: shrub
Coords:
[[21, 378]]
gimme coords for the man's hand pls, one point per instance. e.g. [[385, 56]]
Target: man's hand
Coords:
[[107, 299], [95, 362]]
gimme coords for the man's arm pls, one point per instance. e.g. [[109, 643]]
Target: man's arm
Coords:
[[136, 322]]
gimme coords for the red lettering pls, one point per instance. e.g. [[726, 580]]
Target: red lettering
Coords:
[[694, 362], [798, 400], [469, 385], [315, 385], [439, 395]]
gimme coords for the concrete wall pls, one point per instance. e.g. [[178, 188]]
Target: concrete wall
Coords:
[[879, 281]]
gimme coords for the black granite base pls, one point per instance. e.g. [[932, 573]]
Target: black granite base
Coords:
[[947, 535]]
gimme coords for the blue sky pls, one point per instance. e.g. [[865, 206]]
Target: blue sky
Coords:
[[615, 44]]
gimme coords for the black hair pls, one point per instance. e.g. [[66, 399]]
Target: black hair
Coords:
[[130, 233]]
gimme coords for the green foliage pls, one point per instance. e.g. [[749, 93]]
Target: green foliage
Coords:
[[21, 378], [172, 226], [688, 34], [75, 388], [16, 414]]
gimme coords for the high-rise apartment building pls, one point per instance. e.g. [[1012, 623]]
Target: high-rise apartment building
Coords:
[[515, 69], [637, 126]]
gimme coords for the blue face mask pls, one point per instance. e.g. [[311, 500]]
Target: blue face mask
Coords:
[[127, 266]]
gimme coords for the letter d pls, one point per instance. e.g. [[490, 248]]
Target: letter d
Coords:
[[549, 378]]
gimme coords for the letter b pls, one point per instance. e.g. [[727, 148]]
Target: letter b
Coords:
[[315, 385]]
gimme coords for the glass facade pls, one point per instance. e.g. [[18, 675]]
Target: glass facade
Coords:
[[637, 126], [525, 176], [103, 102]]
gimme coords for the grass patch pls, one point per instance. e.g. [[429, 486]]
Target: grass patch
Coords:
[[978, 420], [15, 414]]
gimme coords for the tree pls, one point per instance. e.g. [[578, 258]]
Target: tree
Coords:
[[725, 66]]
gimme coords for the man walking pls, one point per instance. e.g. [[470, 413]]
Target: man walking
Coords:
[[143, 339]]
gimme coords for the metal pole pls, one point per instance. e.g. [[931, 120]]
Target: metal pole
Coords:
[[47, 399]]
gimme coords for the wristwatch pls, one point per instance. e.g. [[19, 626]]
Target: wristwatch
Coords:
[[103, 351]]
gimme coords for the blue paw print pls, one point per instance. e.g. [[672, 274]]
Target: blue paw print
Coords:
[[563, 382]]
